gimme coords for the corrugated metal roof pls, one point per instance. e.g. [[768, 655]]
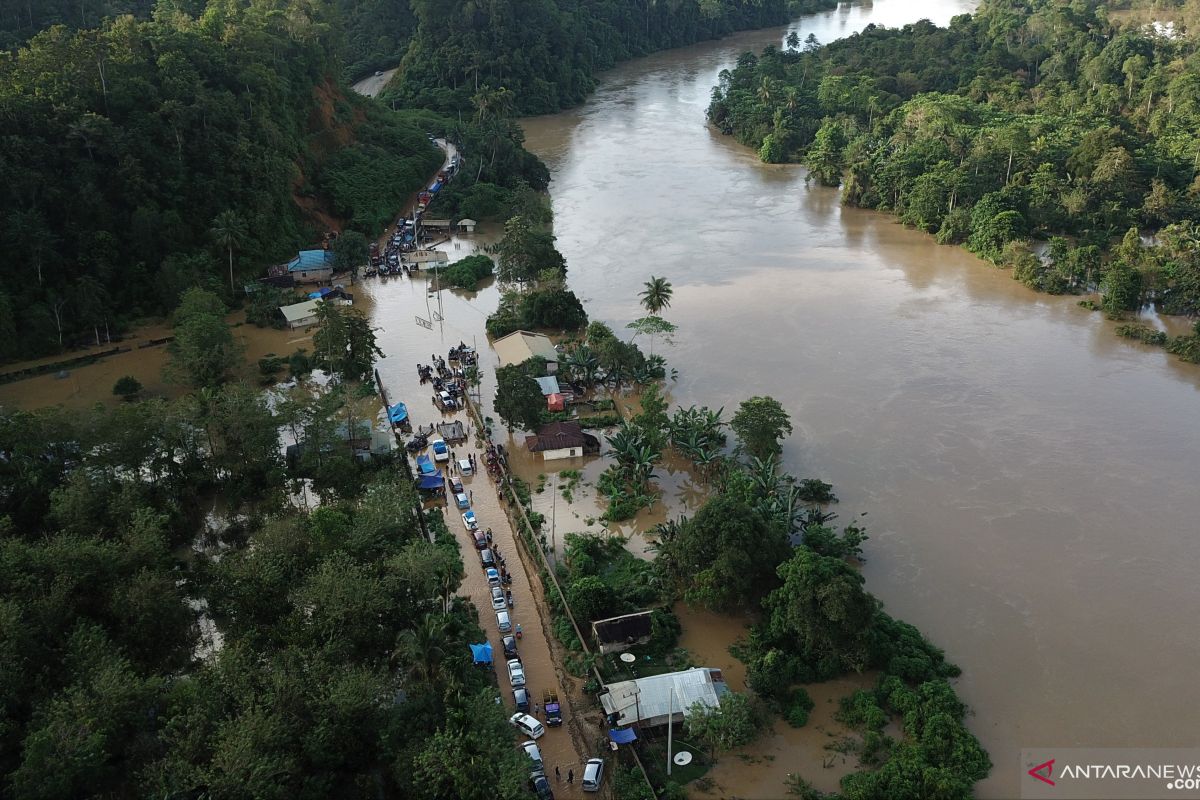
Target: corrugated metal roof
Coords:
[[300, 310], [651, 697], [520, 346], [549, 384], [310, 259]]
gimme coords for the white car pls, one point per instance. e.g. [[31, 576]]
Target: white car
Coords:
[[516, 673], [530, 749], [498, 601], [504, 625], [464, 466], [593, 774], [527, 725], [469, 521]]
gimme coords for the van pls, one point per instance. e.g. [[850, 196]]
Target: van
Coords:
[[503, 622], [593, 774], [486, 558]]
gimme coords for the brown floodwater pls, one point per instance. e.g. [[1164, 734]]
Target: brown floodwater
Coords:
[[1029, 476]]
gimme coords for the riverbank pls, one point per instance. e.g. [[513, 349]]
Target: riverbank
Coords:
[[976, 420]]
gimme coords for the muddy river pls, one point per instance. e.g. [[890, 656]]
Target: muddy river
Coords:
[[1029, 477]]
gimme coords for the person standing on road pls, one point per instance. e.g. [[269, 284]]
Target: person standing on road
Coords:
[[570, 776], [557, 775]]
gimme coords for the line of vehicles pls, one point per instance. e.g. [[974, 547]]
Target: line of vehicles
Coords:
[[498, 578]]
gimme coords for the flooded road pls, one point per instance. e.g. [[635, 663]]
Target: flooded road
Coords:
[[1030, 477]]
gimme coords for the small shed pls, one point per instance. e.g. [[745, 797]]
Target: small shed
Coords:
[[300, 315], [556, 402], [548, 385], [467, 225], [617, 634], [562, 440], [435, 224]]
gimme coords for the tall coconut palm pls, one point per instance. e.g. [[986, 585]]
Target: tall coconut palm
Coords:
[[657, 295], [229, 231], [422, 651]]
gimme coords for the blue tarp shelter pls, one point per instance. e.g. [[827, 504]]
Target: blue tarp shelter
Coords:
[[622, 735], [425, 465], [434, 481], [398, 412], [482, 653]]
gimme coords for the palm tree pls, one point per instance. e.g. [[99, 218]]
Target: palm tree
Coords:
[[657, 295], [229, 231], [422, 652]]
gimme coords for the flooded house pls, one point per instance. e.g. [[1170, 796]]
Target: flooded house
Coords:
[[562, 440]]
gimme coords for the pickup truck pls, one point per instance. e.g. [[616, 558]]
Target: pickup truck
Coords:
[[552, 708]]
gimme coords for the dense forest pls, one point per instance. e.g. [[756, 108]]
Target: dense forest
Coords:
[[336, 676], [1027, 123], [125, 144], [547, 52]]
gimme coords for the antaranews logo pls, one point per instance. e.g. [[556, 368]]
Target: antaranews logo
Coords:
[[1084, 773], [1044, 772]]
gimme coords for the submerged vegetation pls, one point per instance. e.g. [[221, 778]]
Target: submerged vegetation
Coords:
[[1026, 121]]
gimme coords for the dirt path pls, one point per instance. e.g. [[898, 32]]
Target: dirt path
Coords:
[[373, 85], [559, 748]]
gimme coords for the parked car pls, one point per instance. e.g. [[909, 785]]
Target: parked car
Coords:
[[456, 485], [464, 466], [486, 558], [521, 698], [480, 539], [469, 521], [504, 623], [541, 786], [441, 450], [509, 643], [535, 755], [493, 577], [516, 670], [498, 601], [461, 501], [593, 774], [527, 725], [447, 400]]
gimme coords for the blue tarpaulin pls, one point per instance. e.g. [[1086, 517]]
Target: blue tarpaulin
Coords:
[[425, 465], [622, 735], [482, 653], [398, 412], [434, 481], [436, 187]]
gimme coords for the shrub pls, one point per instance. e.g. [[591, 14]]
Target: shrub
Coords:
[[798, 708], [127, 387], [1144, 334]]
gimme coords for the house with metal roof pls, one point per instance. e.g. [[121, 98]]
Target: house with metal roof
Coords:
[[520, 346], [617, 634], [562, 440], [300, 315], [311, 266], [652, 701]]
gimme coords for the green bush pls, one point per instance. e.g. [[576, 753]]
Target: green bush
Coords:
[[1144, 334], [127, 387], [798, 708], [467, 273]]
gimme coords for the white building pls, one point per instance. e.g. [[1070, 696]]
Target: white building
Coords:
[[300, 315], [651, 700]]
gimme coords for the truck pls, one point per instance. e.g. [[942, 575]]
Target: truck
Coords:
[[551, 707]]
